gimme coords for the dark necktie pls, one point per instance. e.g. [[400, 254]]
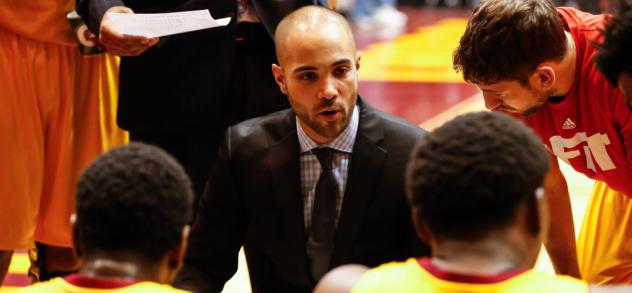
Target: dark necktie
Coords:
[[320, 244]]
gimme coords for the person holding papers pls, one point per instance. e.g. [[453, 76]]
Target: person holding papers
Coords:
[[180, 92]]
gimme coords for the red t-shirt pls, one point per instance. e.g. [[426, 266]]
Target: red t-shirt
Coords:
[[591, 128]]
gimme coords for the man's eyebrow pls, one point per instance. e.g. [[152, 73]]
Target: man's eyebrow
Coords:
[[342, 61], [304, 68], [309, 67]]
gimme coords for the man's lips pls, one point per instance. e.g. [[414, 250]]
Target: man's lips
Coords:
[[330, 113]]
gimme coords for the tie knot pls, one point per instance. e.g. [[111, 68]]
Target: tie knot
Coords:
[[324, 156]]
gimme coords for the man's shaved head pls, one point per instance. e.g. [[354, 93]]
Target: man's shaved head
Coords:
[[310, 21], [318, 70]]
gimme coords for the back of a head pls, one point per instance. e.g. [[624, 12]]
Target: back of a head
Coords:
[[467, 178], [507, 39], [133, 199], [308, 21], [615, 53]]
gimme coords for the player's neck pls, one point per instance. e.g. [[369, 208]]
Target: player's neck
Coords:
[[565, 69], [119, 269], [484, 257]]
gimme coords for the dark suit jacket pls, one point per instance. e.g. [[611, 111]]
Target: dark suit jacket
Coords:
[[182, 81], [253, 198]]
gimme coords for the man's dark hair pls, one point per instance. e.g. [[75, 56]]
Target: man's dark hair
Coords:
[[467, 177], [133, 199], [507, 39], [615, 53]]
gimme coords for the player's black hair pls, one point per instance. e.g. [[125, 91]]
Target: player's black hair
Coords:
[[133, 199], [615, 53], [467, 177]]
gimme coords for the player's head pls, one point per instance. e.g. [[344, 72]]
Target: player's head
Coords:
[[615, 53], [506, 50], [318, 70], [476, 177], [134, 202]]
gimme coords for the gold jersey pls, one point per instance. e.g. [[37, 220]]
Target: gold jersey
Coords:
[[421, 276], [79, 284]]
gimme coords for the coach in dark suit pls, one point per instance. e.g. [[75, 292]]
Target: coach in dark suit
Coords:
[[309, 189], [182, 91]]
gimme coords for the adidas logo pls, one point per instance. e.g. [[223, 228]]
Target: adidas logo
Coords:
[[568, 124]]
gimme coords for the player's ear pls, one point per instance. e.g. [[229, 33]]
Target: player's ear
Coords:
[[544, 214], [75, 235], [537, 214], [422, 230], [543, 77], [277, 71]]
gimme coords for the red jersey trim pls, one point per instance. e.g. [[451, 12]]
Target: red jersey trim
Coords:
[[97, 283], [466, 278]]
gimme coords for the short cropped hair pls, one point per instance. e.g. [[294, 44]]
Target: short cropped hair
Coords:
[[505, 40], [615, 53], [467, 177], [133, 199]]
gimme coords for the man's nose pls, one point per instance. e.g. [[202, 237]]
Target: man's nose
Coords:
[[491, 102], [328, 90]]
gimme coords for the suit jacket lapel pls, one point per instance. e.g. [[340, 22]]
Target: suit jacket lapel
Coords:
[[283, 159], [367, 162]]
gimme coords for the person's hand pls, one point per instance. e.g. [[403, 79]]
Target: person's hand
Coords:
[[119, 44]]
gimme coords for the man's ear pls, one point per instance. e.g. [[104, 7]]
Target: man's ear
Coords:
[[422, 230], [543, 77], [543, 212], [177, 257], [75, 235], [357, 60], [277, 71]]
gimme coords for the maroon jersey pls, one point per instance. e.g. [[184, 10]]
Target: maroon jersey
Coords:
[[591, 128]]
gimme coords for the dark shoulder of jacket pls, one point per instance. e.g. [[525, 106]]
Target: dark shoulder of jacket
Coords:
[[261, 132]]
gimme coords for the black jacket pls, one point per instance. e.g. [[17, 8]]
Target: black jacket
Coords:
[[253, 198]]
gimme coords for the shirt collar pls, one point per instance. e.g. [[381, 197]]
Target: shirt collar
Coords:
[[343, 143]]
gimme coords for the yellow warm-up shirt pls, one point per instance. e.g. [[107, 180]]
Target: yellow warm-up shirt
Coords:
[[40, 20], [79, 284], [421, 276]]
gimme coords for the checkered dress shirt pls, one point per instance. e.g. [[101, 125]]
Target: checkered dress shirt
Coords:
[[310, 167]]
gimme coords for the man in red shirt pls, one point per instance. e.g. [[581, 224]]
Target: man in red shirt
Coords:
[[536, 62]]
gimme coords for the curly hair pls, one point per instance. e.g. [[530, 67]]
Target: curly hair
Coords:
[[615, 53], [133, 199], [507, 39], [467, 177]]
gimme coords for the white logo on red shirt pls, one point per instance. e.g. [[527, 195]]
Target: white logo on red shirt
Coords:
[[594, 150], [568, 124]]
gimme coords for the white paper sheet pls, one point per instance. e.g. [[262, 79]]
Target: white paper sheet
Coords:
[[164, 24]]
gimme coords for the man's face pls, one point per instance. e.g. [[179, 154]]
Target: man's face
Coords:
[[319, 75], [513, 97], [625, 84]]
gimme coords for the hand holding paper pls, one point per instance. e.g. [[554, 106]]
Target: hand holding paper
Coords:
[[117, 43], [163, 24], [124, 33]]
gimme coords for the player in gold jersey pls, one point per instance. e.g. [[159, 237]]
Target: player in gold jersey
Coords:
[[134, 204], [475, 187], [56, 115]]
